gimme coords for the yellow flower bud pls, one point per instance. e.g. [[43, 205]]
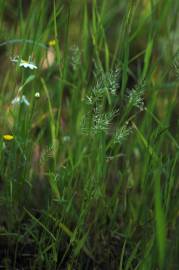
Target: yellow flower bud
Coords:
[[8, 137], [52, 42]]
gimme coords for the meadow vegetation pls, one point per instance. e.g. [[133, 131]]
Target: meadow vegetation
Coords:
[[89, 127]]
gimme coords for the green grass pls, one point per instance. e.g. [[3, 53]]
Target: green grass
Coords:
[[90, 180]]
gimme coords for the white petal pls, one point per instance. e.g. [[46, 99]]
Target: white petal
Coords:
[[27, 65], [32, 66], [14, 59], [37, 94], [16, 100], [24, 100]]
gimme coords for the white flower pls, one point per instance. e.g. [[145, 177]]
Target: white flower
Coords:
[[20, 100], [15, 59], [25, 101], [16, 100], [27, 64], [23, 63], [37, 95]]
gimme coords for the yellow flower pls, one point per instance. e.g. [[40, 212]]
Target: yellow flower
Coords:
[[52, 42], [8, 137]]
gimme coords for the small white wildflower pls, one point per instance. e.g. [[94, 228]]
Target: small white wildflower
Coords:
[[25, 101], [20, 100], [23, 63], [27, 64], [16, 100], [37, 95], [15, 59]]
